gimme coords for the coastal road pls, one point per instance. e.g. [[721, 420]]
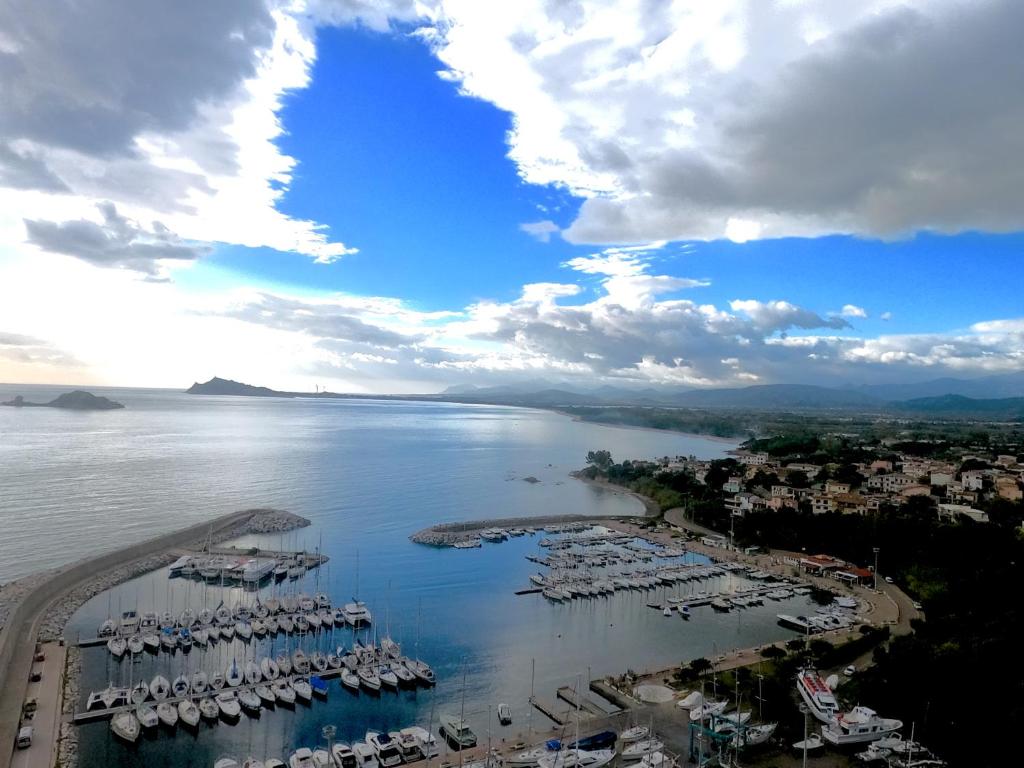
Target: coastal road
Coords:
[[46, 720], [18, 637]]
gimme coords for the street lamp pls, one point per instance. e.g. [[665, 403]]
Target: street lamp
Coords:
[[875, 550], [804, 710], [329, 732]]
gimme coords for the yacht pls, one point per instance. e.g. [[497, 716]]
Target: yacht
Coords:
[[408, 745], [707, 709], [369, 678], [266, 695], [857, 726], [159, 688], [139, 693], [147, 716], [356, 613], [107, 628], [188, 712], [126, 726], [233, 675], [403, 673], [248, 700], [349, 679], [269, 668], [117, 646], [227, 703], [151, 641], [217, 680], [208, 708], [252, 673], [301, 758], [422, 671], [385, 747], [636, 733], [283, 692], [365, 756], [817, 695], [284, 663], [428, 743], [457, 733], [527, 758], [638, 749], [135, 644], [387, 676], [199, 682], [756, 734], [504, 714], [303, 690], [343, 755], [167, 713], [300, 662]]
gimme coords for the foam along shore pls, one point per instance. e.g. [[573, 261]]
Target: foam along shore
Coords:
[[43, 608]]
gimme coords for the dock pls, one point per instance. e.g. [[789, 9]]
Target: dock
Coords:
[[582, 702]]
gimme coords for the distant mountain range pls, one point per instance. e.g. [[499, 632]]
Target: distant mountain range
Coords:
[[763, 397]]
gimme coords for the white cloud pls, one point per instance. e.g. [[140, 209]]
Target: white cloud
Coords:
[[852, 310], [744, 120], [542, 230]]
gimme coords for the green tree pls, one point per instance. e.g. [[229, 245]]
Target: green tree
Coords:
[[600, 459], [699, 666]]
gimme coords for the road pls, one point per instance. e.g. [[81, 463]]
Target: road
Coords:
[[46, 720], [18, 638]]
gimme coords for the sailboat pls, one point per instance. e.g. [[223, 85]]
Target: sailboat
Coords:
[[125, 725], [188, 712], [167, 714]]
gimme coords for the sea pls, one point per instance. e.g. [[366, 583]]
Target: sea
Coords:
[[368, 474]]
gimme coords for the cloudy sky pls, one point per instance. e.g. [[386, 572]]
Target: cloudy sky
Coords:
[[398, 196]]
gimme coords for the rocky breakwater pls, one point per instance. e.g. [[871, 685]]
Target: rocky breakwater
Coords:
[[449, 534]]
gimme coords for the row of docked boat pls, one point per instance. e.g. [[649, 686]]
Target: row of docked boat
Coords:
[[246, 570], [821, 622], [735, 723], [375, 750], [637, 746]]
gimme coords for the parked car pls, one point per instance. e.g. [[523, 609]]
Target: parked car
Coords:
[[850, 671], [888, 579], [24, 738], [918, 606], [36, 676]]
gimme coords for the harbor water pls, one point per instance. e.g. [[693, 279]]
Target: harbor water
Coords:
[[368, 474]]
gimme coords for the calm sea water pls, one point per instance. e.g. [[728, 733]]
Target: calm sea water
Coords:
[[367, 474]]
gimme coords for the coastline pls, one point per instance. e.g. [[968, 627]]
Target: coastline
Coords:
[[651, 508], [714, 438]]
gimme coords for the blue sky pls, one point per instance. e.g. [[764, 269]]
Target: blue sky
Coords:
[[716, 197]]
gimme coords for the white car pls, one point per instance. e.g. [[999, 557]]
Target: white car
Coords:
[[888, 579], [850, 671]]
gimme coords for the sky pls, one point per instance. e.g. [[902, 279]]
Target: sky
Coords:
[[400, 196]]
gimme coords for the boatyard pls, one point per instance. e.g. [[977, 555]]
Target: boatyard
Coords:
[[251, 640]]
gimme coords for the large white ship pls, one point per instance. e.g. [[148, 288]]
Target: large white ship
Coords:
[[817, 695]]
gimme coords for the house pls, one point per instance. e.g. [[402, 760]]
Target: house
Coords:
[[744, 502], [834, 486], [1008, 488], [715, 541], [952, 511], [820, 504], [732, 485], [853, 575], [941, 478], [782, 492], [820, 564], [891, 483], [851, 502], [1005, 460], [881, 465], [915, 490], [753, 459], [778, 502], [973, 479]]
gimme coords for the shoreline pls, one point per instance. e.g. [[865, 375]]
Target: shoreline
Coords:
[[446, 534], [42, 608], [714, 438]]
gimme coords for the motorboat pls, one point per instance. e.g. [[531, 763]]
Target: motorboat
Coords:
[[188, 712], [385, 747], [572, 758], [859, 725], [125, 725], [319, 686], [408, 745], [322, 759], [303, 690], [427, 740], [269, 668], [107, 628], [159, 688], [301, 758], [817, 695], [283, 692], [248, 700], [343, 755], [227, 703], [147, 716], [369, 678], [457, 732], [636, 733], [167, 713], [208, 708], [814, 741], [199, 682], [504, 714], [365, 756]]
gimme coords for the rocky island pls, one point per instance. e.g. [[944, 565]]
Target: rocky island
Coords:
[[78, 400], [219, 386]]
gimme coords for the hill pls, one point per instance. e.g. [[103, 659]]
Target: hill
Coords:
[[77, 400], [219, 386]]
